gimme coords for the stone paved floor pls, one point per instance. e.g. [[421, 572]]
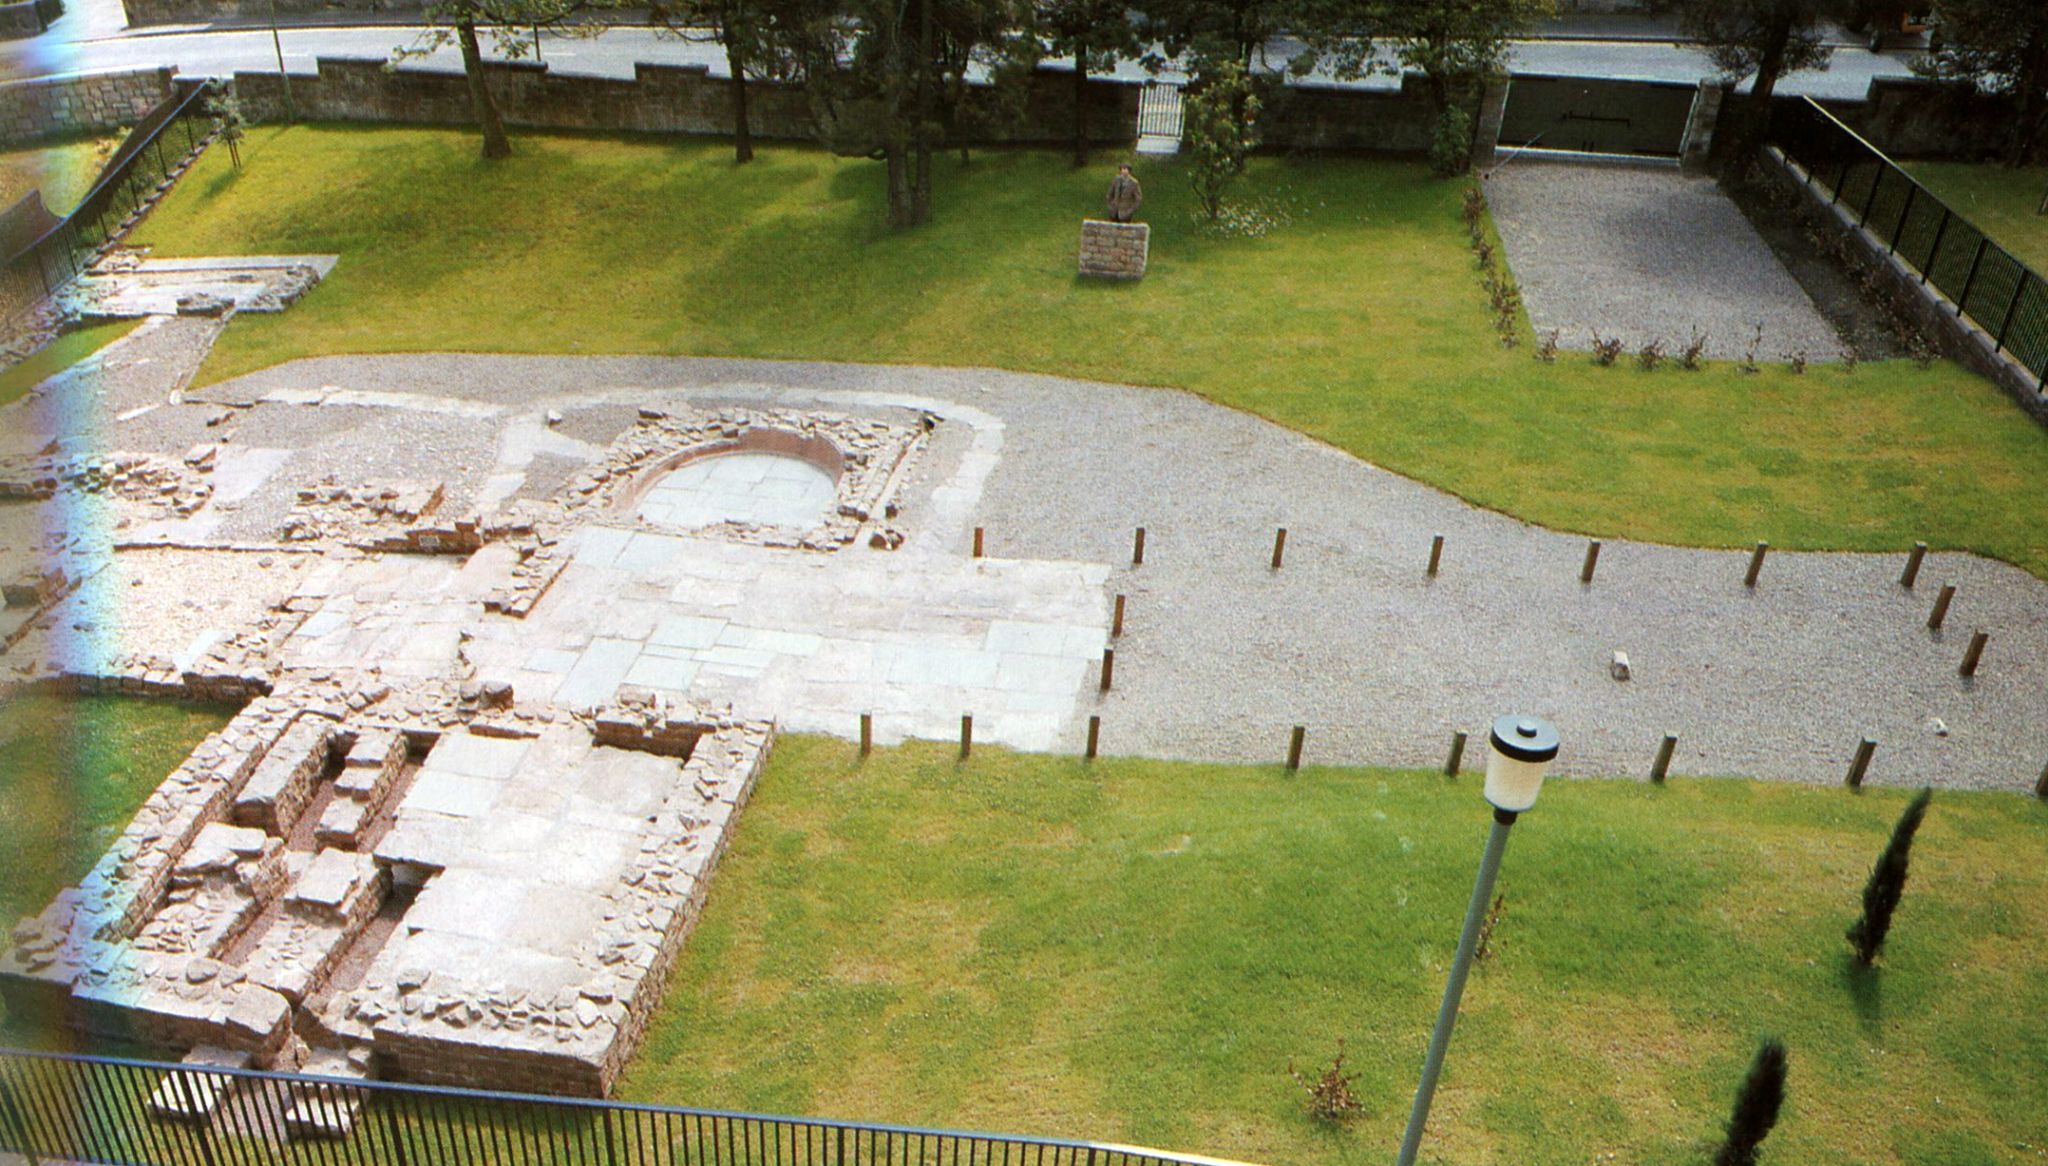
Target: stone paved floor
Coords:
[[765, 489]]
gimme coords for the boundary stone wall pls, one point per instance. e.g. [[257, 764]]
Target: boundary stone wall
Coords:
[[51, 107], [683, 99]]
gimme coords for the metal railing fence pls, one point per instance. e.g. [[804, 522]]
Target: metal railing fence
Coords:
[[1988, 285], [174, 129], [65, 1108]]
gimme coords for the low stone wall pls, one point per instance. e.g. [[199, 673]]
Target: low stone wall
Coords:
[[1958, 339], [1925, 119], [674, 99], [142, 12], [25, 18], [52, 107], [1329, 117]]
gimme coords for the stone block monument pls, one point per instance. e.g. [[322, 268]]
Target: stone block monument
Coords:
[[1114, 250]]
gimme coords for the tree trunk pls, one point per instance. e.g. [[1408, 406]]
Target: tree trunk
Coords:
[[2033, 78], [1756, 112], [921, 139], [496, 144], [1080, 105], [742, 127], [895, 159]]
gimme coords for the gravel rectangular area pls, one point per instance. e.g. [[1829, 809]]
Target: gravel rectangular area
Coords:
[[1647, 253]]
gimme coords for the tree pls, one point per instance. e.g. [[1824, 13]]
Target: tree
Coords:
[[2001, 47], [1458, 45], [1756, 1106], [1234, 29], [1097, 34], [1887, 883], [761, 39], [1221, 119], [1769, 38], [888, 77], [226, 108], [514, 27]]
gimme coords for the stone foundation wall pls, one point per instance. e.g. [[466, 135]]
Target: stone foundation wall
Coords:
[[1114, 250], [52, 107]]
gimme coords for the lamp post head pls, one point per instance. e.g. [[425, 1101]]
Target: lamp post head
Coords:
[[1522, 750]]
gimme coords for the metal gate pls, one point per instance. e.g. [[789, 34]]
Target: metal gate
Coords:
[[1596, 115], [1159, 111]]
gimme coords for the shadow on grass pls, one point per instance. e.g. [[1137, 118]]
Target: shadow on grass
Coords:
[[1866, 992]]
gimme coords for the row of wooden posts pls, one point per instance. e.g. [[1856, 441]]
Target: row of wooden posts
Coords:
[[1859, 765], [1972, 655], [1297, 740]]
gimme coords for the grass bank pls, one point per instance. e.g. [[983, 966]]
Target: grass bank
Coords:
[[62, 353], [1136, 951], [1360, 321], [64, 171], [1999, 200]]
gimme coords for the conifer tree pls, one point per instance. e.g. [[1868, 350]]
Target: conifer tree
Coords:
[[1887, 883], [1756, 1106]]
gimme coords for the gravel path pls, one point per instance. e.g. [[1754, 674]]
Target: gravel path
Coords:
[[1222, 655], [1645, 252]]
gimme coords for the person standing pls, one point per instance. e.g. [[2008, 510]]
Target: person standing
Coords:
[[1125, 195]]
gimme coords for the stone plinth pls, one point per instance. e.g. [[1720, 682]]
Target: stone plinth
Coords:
[[1114, 250]]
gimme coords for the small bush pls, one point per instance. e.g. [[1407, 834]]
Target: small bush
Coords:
[[1850, 358], [1650, 355], [1689, 359], [1887, 883], [1546, 348], [1796, 359], [1755, 342], [1450, 147], [1329, 1095], [1606, 350], [1475, 208], [1756, 1106]]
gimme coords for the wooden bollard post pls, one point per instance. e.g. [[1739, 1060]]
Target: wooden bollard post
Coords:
[[1662, 766], [1294, 746], [966, 735], [867, 733], [1279, 547], [1974, 653], [1436, 554], [1592, 560], [1457, 756], [1094, 736], [1756, 563], [1108, 666], [1941, 602], [977, 542], [1861, 765], [1116, 621], [1138, 548], [1912, 571]]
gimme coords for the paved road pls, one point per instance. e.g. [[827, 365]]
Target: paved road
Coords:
[[91, 38]]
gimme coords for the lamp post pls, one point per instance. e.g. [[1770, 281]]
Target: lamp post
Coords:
[[1522, 750]]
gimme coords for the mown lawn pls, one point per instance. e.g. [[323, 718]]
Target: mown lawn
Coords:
[[1136, 951], [2000, 201], [72, 772], [1361, 321], [62, 353]]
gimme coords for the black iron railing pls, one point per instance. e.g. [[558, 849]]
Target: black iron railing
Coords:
[[1989, 287], [152, 153], [61, 1108]]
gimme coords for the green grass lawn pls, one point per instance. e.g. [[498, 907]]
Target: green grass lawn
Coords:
[[1362, 322], [63, 171], [2000, 201], [72, 772], [65, 351], [1136, 951]]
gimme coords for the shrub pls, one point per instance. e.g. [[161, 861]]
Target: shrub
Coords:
[[1546, 348], [1887, 883], [1329, 1095], [1450, 147], [1650, 355], [1756, 1106], [1797, 360], [1606, 350], [1222, 116], [1689, 360]]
